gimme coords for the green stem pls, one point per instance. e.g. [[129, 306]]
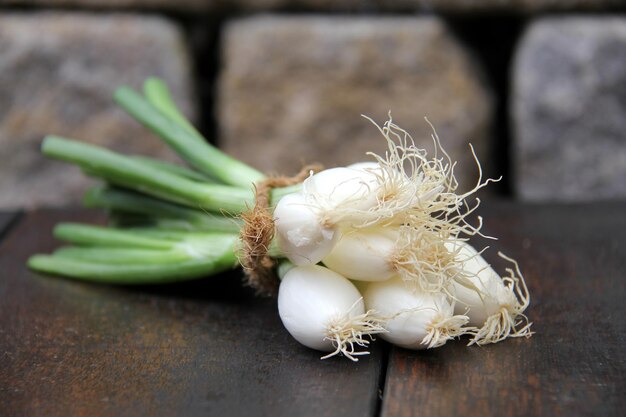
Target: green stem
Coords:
[[193, 237], [159, 96], [124, 171], [159, 233], [161, 213], [199, 153], [125, 220], [135, 274], [212, 224], [121, 255], [83, 234], [174, 169], [205, 257]]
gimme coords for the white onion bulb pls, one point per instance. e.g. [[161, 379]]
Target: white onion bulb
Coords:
[[414, 319], [364, 254], [494, 304], [324, 311], [484, 302], [348, 188], [300, 234]]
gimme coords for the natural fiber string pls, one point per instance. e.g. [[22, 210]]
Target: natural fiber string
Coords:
[[258, 232]]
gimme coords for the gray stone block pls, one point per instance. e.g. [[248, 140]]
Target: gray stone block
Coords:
[[446, 6], [178, 5], [58, 72], [505, 6], [569, 110], [293, 89]]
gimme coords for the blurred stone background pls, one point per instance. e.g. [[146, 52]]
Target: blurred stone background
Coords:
[[538, 87]]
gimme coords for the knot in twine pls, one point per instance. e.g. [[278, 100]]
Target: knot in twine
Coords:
[[258, 232]]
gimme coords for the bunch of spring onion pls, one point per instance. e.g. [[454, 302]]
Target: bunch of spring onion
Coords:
[[375, 248]]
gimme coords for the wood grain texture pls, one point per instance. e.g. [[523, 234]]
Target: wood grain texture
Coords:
[[6, 219], [574, 261], [210, 347]]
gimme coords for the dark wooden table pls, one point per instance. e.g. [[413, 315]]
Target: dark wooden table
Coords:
[[211, 348]]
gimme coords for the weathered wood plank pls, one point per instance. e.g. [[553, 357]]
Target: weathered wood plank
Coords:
[[203, 348], [574, 260], [6, 218]]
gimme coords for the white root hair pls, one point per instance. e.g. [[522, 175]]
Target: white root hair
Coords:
[[423, 261], [440, 331], [420, 193], [413, 188], [510, 321], [347, 331]]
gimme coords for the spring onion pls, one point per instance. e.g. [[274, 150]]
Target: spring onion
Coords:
[[414, 319], [302, 237], [495, 305], [324, 311], [396, 225], [365, 254]]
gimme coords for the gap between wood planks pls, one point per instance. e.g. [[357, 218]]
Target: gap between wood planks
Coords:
[[382, 378], [8, 220]]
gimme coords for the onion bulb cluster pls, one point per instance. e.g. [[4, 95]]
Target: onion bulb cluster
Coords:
[[375, 248], [396, 227]]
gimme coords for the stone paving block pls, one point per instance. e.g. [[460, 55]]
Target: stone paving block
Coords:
[[230, 6], [293, 89], [58, 72], [504, 6], [569, 110], [173, 5]]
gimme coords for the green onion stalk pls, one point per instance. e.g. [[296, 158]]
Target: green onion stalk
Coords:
[[168, 223]]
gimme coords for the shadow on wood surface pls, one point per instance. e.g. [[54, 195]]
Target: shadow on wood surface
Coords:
[[211, 348]]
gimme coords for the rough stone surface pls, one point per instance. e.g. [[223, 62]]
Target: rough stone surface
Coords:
[[58, 72], [448, 6], [455, 6], [293, 89], [180, 5], [569, 110], [515, 6]]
